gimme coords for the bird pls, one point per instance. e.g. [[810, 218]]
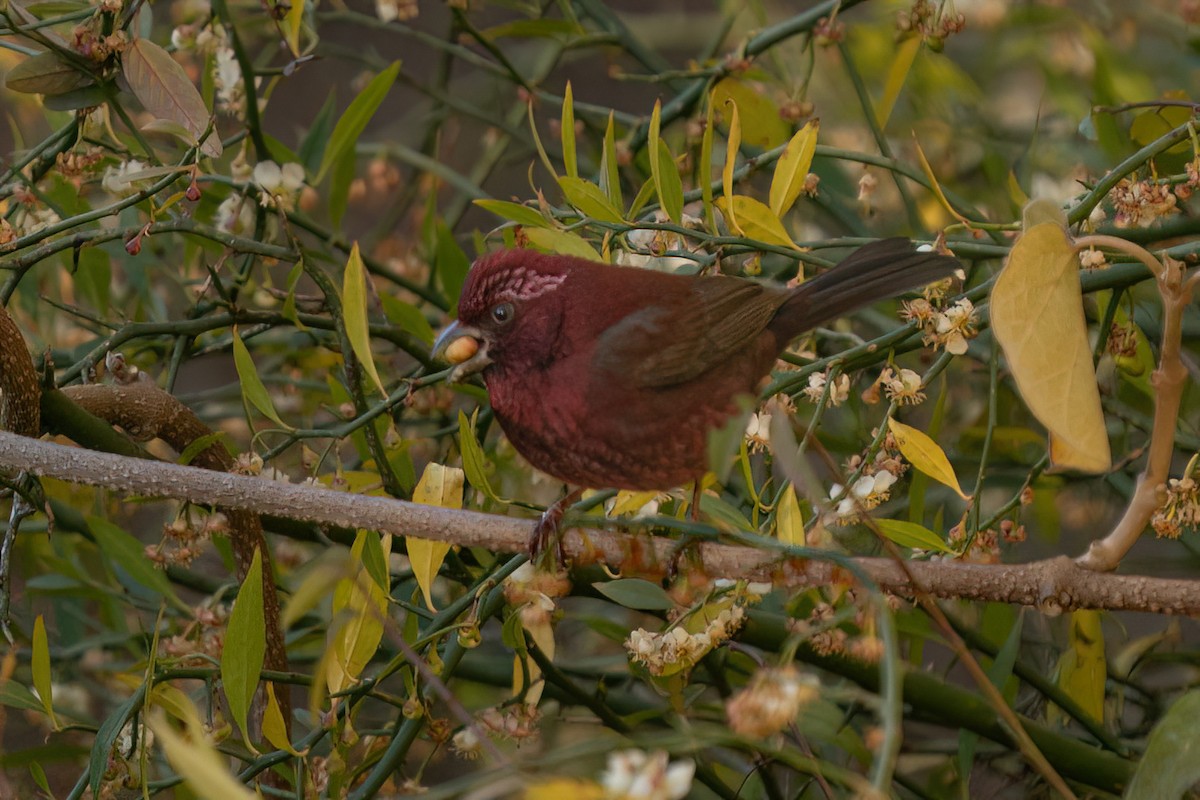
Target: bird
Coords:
[[607, 376]]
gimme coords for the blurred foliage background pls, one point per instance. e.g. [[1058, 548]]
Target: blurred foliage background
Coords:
[[255, 206]]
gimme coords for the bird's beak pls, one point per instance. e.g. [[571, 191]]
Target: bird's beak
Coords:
[[465, 348]]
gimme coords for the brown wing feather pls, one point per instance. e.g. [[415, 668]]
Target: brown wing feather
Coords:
[[663, 346]]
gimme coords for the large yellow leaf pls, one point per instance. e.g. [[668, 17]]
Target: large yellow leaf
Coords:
[[439, 486], [196, 760], [1037, 315], [925, 454], [792, 168], [755, 220], [789, 523], [762, 126]]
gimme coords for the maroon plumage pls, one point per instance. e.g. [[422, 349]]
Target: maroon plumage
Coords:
[[607, 376]]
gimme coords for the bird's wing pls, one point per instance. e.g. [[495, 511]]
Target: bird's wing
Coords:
[[667, 344]]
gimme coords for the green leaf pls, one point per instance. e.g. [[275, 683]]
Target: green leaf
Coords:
[[522, 215], [166, 92], [45, 73], [14, 695], [40, 666], [725, 441], [570, 161], [253, 389], [130, 554], [1171, 764], [910, 534], [83, 97], [563, 242], [450, 263], [792, 169], [110, 729], [245, 646], [635, 593], [667, 182], [474, 460], [755, 220], [610, 175], [354, 310], [407, 317], [309, 152], [341, 177], [588, 199], [354, 121]]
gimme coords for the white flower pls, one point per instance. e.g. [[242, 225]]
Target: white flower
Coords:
[[866, 493], [280, 185], [758, 431], [388, 10], [235, 215], [904, 386], [954, 326], [122, 180], [636, 775], [227, 77], [838, 393]]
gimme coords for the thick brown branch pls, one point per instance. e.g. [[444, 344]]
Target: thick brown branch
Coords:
[[1053, 585]]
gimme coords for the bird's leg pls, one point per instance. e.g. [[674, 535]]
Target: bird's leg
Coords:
[[687, 545], [547, 529]]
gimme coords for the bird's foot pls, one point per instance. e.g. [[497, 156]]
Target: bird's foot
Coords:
[[684, 556], [548, 531]]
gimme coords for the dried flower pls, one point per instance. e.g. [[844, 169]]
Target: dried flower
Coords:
[[1139, 203], [770, 702], [903, 386]]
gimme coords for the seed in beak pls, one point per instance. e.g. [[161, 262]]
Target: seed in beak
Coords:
[[462, 349]]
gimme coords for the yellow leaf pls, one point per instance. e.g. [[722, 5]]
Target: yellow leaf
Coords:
[[558, 788], [354, 310], [542, 633], [274, 727], [1037, 316], [667, 183], [762, 126], [789, 524], [564, 242], [925, 454], [292, 22], [439, 486], [1083, 669], [792, 168], [755, 220], [629, 502], [195, 759], [732, 146], [937, 187], [897, 74], [360, 603], [568, 133]]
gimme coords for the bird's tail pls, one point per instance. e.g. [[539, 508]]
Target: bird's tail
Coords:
[[874, 272]]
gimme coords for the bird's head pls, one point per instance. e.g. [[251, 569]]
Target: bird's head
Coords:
[[509, 313]]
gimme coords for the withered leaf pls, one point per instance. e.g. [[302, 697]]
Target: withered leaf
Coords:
[[165, 91]]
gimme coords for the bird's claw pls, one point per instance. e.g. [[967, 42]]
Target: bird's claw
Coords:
[[545, 532]]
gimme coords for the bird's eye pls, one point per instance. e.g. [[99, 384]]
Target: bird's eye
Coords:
[[503, 313]]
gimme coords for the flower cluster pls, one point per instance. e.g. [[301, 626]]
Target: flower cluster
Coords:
[[902, 386], [1139, 203], [932, 21], [677, 649], [949, 328], [1180, 510], [864, 494], [839, 390], [637, 775], [649, 246], [770, 702]]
